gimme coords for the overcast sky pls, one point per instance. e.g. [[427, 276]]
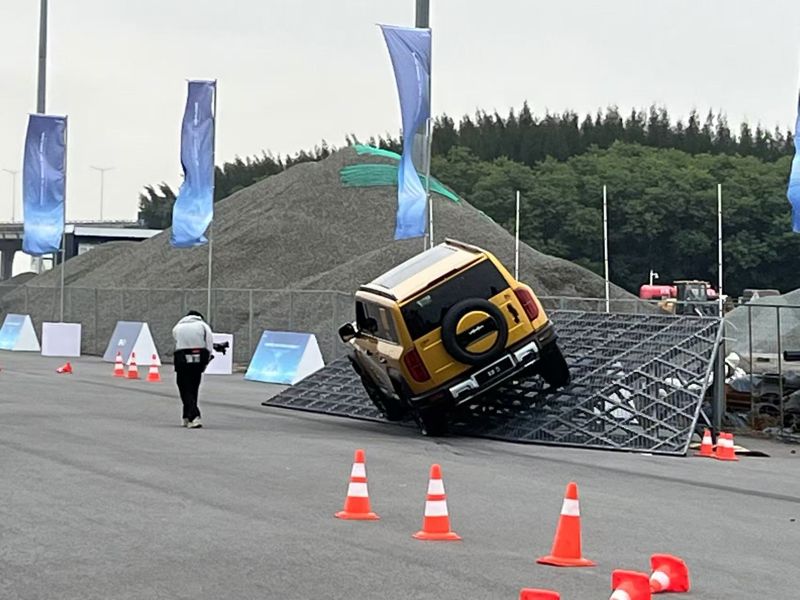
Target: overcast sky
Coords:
[[296, 71]]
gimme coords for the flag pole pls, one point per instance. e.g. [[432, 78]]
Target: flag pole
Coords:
[[605, 246], [516, 242], [63, 226], [429, 138], [719, 246], [422, 21], [213, 190]]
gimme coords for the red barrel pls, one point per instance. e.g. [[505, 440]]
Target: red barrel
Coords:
[[657, 292]]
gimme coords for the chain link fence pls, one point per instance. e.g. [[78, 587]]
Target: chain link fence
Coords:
[[763, 393], [243, 313]]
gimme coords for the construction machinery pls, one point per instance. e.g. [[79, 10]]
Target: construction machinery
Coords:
[[683, 297]]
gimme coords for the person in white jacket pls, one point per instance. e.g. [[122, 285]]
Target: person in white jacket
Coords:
[[194, 343]]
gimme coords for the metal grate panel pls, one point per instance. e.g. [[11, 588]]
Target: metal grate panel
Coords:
[[638, 382]]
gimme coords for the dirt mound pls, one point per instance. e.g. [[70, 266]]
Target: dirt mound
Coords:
[[299, 230]]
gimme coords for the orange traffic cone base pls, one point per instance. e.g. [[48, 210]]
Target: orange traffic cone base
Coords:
[[349, 516], [558, 561], [449, 536]]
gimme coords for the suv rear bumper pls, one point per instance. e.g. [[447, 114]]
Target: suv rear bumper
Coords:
[[523, 355]]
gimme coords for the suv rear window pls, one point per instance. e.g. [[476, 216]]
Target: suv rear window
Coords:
[[425, 313]]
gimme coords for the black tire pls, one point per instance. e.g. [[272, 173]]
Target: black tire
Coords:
[[432, 421], [450, 333], [390, 407], [552, 367]]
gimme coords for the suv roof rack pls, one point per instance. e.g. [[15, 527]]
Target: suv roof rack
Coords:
[[463, 246], [377, 290]]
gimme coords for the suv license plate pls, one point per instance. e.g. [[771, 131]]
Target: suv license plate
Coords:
[[494, 370]]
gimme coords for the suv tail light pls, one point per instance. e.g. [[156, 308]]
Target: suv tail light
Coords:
[[528, 303], [416, 367]]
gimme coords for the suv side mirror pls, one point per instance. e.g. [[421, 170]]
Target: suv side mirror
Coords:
[[347, 332]]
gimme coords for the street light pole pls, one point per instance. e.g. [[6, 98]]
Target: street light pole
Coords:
[[42, 84], [102, 184], [13, 193]]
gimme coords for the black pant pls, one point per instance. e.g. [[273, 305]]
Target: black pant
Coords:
[[188, 378]]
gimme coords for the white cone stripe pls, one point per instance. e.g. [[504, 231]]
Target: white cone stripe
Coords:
[[570, 508], [661, 577], [359, 470], [620, 595], [436, 487], [436, 508], [357, 490]]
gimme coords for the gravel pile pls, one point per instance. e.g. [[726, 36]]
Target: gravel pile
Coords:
[[764, 325], [299, 230]]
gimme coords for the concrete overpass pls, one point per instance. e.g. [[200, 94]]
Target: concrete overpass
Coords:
[[81, 236]]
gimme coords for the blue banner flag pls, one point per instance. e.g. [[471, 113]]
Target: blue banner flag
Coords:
[[194, 206], [410, 51], [43, 184], [794, 178]]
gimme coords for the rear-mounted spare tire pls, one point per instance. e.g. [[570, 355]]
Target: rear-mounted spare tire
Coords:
[[474, 331]]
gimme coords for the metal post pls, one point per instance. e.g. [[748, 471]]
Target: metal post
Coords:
[[42, 82], [429, 200], [291, 310], [64, 223], [516, 242], [422, 19], [250, 327], [334, 345], [605, 247], [780, 367], [213, 190], [102, 171], [13, 193], [718, 404], [96, 312], [750, 361], [719, 246]]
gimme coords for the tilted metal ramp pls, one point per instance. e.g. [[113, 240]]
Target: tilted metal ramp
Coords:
[[638, 383]]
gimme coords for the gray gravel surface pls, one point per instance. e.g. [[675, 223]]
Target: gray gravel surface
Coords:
[[103, 496]]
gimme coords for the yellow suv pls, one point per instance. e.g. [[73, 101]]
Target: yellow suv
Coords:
[[444, 327]]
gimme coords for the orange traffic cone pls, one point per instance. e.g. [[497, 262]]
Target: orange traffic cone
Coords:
[[153, 375], [725, 449], [133, 370], [532, 594], [119, 367], [356, 505], [630, 585], [566, 550], [436, 522], [707, 446], [670, 574], [67, 368]]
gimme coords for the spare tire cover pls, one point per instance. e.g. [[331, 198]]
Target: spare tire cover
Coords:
[[474, 331]]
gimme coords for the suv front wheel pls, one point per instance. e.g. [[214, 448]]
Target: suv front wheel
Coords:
[[391, 408]]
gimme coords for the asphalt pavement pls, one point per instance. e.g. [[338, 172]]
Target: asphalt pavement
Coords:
[[104, 496]]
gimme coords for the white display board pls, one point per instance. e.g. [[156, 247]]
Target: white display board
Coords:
[[132, 337], [222, 364], [61, 339]]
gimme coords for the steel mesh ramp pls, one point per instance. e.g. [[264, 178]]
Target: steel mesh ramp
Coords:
[[638, 382]]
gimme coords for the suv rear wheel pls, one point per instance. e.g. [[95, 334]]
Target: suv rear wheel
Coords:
[[552, 367], [432, 421]]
